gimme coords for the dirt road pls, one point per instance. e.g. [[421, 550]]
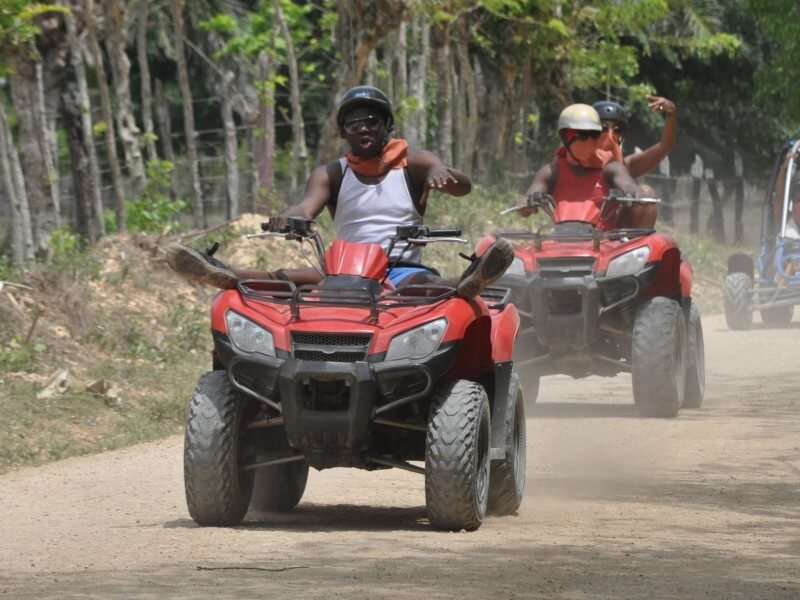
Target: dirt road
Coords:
[[703, 506]]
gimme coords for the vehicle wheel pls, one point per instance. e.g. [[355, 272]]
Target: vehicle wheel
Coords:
[[507, 481], [279, 488], [658, 358], [217, 493], [778, 316], [696, 360], [457, 456], [737, 301]]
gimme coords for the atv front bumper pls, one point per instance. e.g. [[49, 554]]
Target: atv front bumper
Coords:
[[570, 313], [329, 408]]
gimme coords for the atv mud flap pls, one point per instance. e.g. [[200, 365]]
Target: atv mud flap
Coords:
[[565, 311]]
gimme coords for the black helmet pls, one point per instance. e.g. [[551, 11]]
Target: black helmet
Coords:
[[365, 95], [611, 111]]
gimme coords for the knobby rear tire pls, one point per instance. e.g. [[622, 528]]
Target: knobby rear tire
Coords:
[[507, 481], [696, 361], [738, 288]]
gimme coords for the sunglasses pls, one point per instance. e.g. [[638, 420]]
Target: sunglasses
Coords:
[[371, 123], [616, 130], [574, 134]]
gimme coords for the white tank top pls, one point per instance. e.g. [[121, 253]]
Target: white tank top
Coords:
[[372, 213]]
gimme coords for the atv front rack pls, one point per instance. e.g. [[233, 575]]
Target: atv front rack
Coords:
[[591, 233]]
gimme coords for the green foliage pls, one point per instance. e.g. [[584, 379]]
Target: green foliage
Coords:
[[777, 79], [154, 211], [18, 28], [110, 220], [19, 355]]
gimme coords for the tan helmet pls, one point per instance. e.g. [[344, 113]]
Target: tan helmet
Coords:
[[581, 117]]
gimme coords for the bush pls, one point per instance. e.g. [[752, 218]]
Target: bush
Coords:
[[154, 211]]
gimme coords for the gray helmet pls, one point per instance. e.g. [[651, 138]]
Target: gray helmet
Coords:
[[611, 111], [365, 95], [581, 117]]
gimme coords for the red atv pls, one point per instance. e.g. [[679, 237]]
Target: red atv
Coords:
[[596, 302], [354, 373]]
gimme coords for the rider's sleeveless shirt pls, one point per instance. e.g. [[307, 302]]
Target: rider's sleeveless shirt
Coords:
[[372, 213], [572, 187]]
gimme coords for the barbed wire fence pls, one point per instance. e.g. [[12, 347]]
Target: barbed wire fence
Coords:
[[727, 210]]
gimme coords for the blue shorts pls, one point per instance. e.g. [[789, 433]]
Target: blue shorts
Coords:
[[398, 274]]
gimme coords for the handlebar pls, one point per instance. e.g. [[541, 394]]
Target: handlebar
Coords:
[[415, 232], [546, 202]]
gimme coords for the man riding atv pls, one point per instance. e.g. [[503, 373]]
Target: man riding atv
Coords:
[[615, 120], [582, 169], [379, 185]]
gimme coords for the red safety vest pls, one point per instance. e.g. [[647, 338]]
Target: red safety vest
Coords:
[[576, 189]]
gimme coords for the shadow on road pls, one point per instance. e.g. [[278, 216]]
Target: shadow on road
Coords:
[[330, 517]]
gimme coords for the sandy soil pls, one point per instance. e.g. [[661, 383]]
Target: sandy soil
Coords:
[[703, 506]]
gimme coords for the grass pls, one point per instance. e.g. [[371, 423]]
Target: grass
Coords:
[[153, 405]]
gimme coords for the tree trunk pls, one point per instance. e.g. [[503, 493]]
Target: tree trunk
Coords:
[[399, 66], [82, 183], [165, 129], [108, 115], [51, 71], [467, 125], [414, 123], [84, 105], [129, 132], [176, 7], [299, 150], [22, 247], [48, 145], [30, 136], [254, 186], [265, 146], [440, 43], [144, 73], [359, 28], [231, 147]]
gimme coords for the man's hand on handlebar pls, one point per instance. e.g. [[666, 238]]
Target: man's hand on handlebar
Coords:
[[531, 203]]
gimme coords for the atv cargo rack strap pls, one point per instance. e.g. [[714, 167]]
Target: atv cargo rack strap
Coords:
[[317, 295]]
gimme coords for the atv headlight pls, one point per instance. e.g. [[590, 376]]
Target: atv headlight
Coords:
[[417, 343], [247, 336], [516, 268], [628, 263]]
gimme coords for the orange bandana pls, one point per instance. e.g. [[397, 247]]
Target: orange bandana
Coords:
[[586, 158], [393, 156], [607, 143]]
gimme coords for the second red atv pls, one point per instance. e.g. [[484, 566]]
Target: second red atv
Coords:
[[596, 302], [354, 373]]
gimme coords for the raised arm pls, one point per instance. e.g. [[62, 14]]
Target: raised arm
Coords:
[[647, 160], [428, 172]]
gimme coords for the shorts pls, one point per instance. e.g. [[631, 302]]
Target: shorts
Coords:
[[398, 274]]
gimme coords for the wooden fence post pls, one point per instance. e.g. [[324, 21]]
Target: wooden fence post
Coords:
[[697, 180], [666, 212], [738, 167], [716, 222]]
